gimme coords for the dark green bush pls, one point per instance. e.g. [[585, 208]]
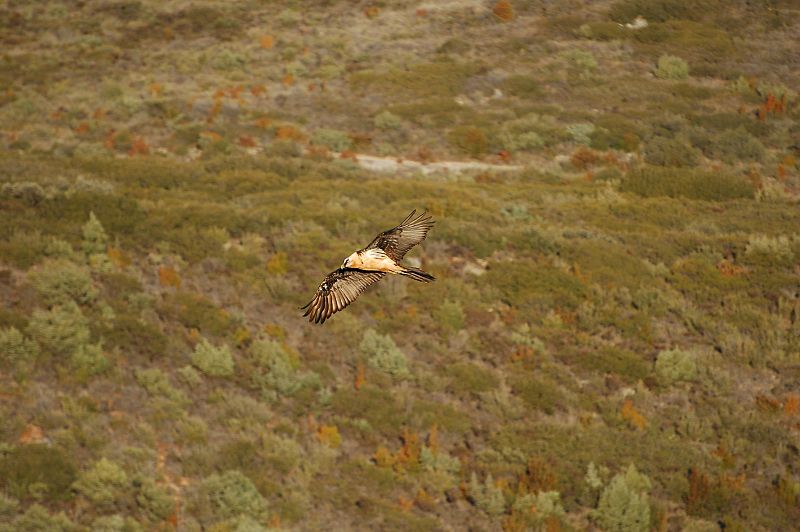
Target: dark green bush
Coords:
[[525, 283], [134, 335], [674, 152], [537, 393], [604, 31], [694, 184], [471, 378], [196, 312], [522, 86], [39, 468], [631, 366], [736, 145]]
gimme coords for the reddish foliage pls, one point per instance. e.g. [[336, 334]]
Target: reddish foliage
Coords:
[[584, 158], [504, 11], [360, 378], [266, 42], [139, 147], [288, 133], [632, 416], [263, 122], [108, 142], [167, 276], [247, 141], [792, 405]]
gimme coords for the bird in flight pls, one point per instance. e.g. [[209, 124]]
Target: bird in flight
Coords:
[[368, 265]]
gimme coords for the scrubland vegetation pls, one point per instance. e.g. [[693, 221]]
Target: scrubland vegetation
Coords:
[[613, 339]]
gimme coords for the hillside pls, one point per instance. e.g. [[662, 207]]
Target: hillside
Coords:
[[613, 339]]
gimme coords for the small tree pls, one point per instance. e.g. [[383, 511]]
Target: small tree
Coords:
[[624, 504], [95, 239]]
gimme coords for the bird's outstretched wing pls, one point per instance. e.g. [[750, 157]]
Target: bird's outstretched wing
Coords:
[[396, 242], [340, 288]]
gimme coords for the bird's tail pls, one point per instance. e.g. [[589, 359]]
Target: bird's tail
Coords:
[[417, 274]]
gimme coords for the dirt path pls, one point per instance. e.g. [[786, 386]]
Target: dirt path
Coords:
[[394, 164]]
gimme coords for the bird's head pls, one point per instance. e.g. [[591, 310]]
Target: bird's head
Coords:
[[353, 261]]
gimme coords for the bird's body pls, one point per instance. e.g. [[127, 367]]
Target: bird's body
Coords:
[[369, 265]]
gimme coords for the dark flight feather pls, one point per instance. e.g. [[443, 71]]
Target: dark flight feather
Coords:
[[396, 242], [340, 288]]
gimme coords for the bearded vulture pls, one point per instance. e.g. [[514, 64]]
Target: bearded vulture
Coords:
[[367, 266]]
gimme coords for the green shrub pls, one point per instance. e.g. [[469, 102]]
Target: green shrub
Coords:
[[192, 429], [277, 369], [157, 384], [604, 31], [132, 334], [212, 360], [522, 86], [471, 378], [693, 184], [23, 249], [59, 281], [627, 364], [226, 496], [624, 503], [673, 152], [443, 79], [8, 508], [95, 240], [672, 67], [41, 469], [89, 360], [116, 523], [676, 365], [440, 462], [196, 312], [768, 250], [156, 501], [539, 508], [526, 284], [581, 133], [735, 145], [384, 354], [387, 120], [580, 59], [522, 142], [62, 330], [17, 351], [104, 484], [332, 139], [37, 519], [450, 315], [486, 495], [537, 393]]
